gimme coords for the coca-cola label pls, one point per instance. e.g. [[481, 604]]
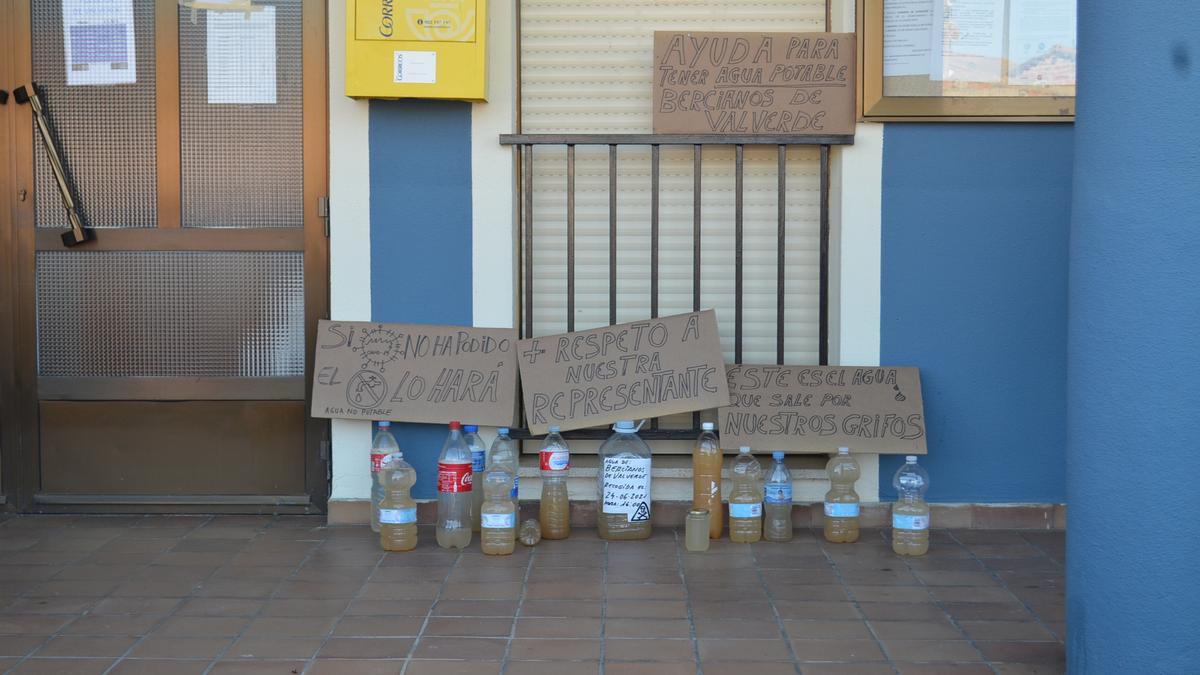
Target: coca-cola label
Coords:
[[555, 460], [454, 477], [377, 460]]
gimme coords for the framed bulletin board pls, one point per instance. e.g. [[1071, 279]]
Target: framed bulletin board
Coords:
[[967, 60]]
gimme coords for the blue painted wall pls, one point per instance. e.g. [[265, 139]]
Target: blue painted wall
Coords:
[[421, 234], [974, 292]]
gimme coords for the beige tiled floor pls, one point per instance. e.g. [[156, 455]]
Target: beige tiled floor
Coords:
[[195, 594]]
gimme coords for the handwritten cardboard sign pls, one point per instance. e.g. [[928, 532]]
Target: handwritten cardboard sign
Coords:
[[415, 373], [818, 409], [627, 371], [754, 83]]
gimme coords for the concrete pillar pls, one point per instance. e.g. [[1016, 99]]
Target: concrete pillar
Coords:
[[1133, 383]]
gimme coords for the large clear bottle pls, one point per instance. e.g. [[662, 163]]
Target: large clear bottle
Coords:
[[382, 445], [624, 479], [454, 491], [498, 517], [706, 478], [777, 502], [504, 453], [555, 507], [745, 498], [398, 511], [478, 464], [841, 502], [910, 514]]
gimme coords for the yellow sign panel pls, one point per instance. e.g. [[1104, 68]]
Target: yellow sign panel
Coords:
[[427, 21], [416, 49]]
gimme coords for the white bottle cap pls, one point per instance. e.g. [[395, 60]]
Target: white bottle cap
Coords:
[[707, 426], [843, 451], [625, 427], [555, 430], [745, 449], [911, 459]]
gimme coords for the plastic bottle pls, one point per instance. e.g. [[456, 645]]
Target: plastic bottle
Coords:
[[454, 491], [706, 478], [624, 479], [398, 511], [478, 464], [382, 445], [777, 506], [745, 498], [910, 514], [555, 509], [504, 453], [841, 502], [498, 517]]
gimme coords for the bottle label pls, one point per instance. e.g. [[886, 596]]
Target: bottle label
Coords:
[[556, 460], [377, 457], [779, 493], [900, 522], [745, 510], [516, 484], [478, 460], [454, 477], [625, 487], [841, 510], [498, 520], [398, 516]]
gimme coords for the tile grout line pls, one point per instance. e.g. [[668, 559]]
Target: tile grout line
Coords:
[[266, 601], [837, 571], [312, 660], [174, 610], [787, 638], [1003, 584], [603, 607], [941, 606], [429, 612], [687, 603], [512, 633]]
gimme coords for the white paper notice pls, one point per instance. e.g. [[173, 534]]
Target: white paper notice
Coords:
[[627, 487], [414, 67], [971, 35], [241, 56], [98, 42], [1041, 42], [906, 37]]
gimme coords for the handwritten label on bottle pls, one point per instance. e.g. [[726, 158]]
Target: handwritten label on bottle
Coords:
[[626, 487]]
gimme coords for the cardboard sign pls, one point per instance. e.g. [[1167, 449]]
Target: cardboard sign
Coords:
[[818, 409], [754, 83], [415, 373], [628, 371]]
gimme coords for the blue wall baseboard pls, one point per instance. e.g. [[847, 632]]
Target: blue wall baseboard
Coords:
[[974, 292]]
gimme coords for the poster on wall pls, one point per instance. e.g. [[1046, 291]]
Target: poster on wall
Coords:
[[754, 83], [627, 371], [415, 373], [817, 409]]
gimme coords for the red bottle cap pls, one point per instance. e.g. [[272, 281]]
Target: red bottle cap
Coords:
[[455, 424]]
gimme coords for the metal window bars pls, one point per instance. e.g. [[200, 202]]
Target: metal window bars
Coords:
[[523, 145]]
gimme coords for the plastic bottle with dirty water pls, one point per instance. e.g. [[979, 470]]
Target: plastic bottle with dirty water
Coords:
[[910, 514], [706, 478], [555, 506], [745, 498], [382, 445], [777, 501], [478, 464], [398, 511], [454, 491], [504, 453], [498, 517], [841, 502], [624, 479]]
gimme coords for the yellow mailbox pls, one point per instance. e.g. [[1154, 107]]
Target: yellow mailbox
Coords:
[[416, 49]]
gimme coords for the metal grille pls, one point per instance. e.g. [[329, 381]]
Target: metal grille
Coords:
[[242, 163], [170, 314], [106, 133]]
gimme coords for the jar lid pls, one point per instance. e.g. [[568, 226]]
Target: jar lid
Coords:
[[698, 512]]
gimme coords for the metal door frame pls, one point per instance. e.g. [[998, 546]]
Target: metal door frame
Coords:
[[20, 456]]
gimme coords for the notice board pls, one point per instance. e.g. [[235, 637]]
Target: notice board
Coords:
[[817, 409], [627, 371], [754, 83], [415, 373]]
